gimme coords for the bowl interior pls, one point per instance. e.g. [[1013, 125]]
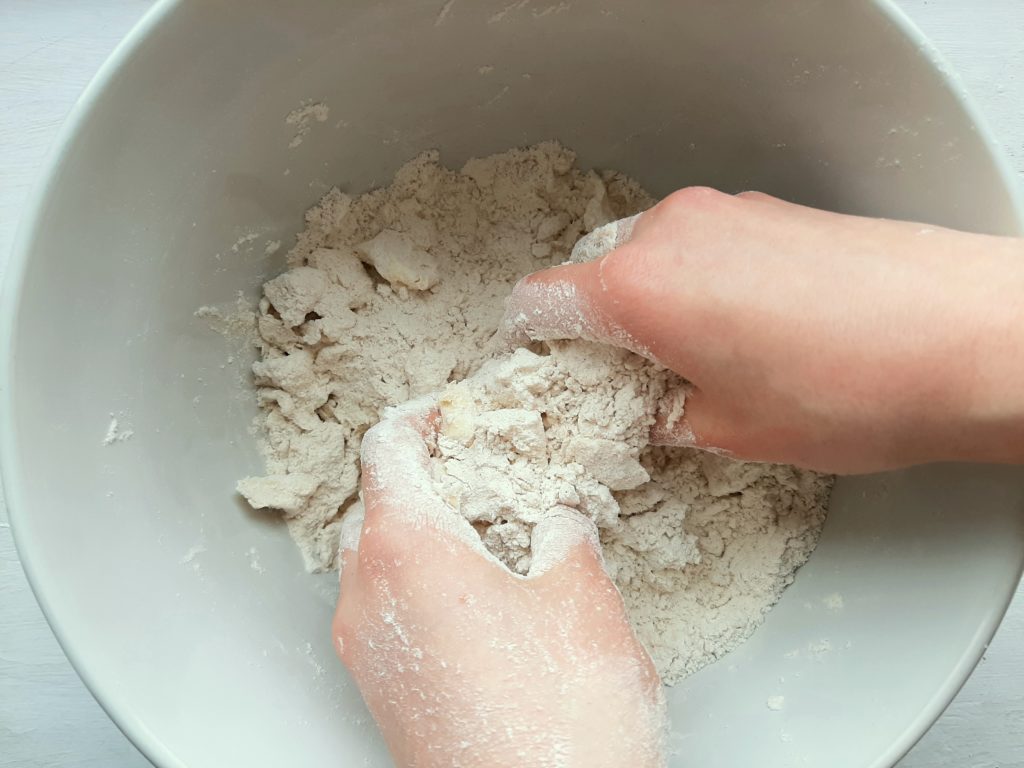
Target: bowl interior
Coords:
[[189, 615]]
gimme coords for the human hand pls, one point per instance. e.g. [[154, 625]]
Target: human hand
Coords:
[[464, 663], [832, 342]]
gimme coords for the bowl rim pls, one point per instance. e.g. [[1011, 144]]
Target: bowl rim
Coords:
[[119, 711]]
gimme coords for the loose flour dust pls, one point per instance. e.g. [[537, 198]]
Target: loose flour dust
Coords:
[[398, 293]]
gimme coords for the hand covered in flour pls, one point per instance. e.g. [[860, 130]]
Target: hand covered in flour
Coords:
[[832, 342], [463, 663]]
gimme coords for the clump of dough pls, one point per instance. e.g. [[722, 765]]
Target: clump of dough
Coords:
[[285, 492], [400, 261], [531, 434]]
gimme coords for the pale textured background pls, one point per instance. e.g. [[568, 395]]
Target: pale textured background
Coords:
[[49, 49]]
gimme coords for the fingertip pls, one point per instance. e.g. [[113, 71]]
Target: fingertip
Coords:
[[564, 302], [671, 416], [395, 459], [686, 420], [557, 303], [604, 240], [402, 431], [672, 427], [565, 537], [678, 435]]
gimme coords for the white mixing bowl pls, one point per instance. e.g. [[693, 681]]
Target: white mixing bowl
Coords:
[[190, 616]]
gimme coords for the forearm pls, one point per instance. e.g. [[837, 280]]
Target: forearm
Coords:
[[986, 422]]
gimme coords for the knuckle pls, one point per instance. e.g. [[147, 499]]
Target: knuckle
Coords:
[[753, 194], [627, 272], [677, 213], [691, 199]]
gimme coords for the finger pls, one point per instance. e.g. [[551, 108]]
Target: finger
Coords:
[[397, 487], [671, 426], [572, 301], [395, 459], [604, 240], [686, 419], [674, 432], [564, 538], [558, 303], [568, 302]]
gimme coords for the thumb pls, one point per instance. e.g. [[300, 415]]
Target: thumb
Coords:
[[573, 301], [405, 516], [566, 538]]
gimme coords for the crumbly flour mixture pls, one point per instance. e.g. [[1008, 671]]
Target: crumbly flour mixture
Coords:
[[533, 432], [398, 293]]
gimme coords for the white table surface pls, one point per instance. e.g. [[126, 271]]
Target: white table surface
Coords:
[[49, 49]]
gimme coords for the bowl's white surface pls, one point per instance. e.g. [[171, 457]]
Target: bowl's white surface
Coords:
[[181, 148]]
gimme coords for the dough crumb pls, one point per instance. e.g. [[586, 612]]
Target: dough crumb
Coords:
[[285, 492], [833, 602], [819, 648], [254, 560], [193, 552], [303, 117], [115, 433]]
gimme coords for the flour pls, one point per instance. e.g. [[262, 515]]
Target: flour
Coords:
[[302, 119], [350, 329], [397, 293], [115, 433], [833, 602]]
